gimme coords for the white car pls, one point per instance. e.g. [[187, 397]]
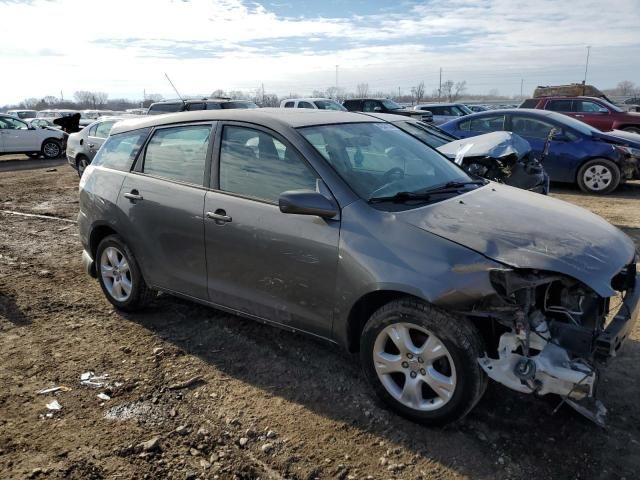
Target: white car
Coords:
[[17, 137], [24, 114], [55, 113], [312, 103], [443, 112]]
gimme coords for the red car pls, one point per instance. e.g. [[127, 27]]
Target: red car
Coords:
[[595, 111]]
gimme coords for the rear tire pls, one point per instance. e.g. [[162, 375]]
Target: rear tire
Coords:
[[82, 163], [599, 176], [423, 362], [120, 276], [51, 149]]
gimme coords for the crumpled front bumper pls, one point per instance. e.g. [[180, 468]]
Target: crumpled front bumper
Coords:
[[616, 333]]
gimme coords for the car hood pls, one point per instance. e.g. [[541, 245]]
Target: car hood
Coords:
[[527, 230], [493, 145], [620, 137]]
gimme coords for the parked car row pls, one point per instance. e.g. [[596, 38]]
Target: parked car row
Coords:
[[345, 226], [17, 136], [578, 153]]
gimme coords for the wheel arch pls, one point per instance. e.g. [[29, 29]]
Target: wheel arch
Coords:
[[98, 233], [364, 307]]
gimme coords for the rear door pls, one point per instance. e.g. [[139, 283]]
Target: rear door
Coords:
[[163, 199], [16, 136], [260, 261]]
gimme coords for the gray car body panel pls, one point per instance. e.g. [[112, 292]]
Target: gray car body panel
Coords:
[[524, 230], [307, 273]]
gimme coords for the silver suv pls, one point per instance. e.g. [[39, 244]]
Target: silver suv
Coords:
[[345, 227]]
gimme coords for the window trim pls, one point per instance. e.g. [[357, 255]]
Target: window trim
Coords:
[[214, 184], [138, 163]]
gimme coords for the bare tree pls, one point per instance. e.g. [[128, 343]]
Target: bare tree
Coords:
[[362, 90], [418, 92], [85, 98], [29, 103], [336, 93], [447, 89], [458, 89], [626, 88]]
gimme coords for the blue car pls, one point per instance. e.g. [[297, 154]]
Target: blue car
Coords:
[[578, 153]]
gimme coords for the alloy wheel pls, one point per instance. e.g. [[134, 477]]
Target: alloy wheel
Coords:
[[115, 273], [414, 366], [51, 150], [597, 177]]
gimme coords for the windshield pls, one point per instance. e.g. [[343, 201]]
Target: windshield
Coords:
[[391, 105], [329, 105], [431, 136], [613, 107], [381, 160]]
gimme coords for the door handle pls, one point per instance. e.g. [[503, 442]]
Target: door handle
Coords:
[[580, 116], [133, 195], [220, 216], [92, 145]]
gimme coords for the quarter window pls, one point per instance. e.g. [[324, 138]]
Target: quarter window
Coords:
[[289, 105], [178, 153], [493, 123], [256, 164], [119, 151]]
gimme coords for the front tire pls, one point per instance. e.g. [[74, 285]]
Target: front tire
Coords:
[[632, 129], [599, 176], [120, 276], [423, 362], [51, 149]]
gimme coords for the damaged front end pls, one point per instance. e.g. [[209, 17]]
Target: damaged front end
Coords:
[[554, 333]]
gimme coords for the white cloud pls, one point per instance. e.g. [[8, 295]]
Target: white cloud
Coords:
[[123, 47]]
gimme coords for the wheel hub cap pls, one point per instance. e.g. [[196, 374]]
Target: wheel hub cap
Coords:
[[597, 177], [414, 366], [115, 273]]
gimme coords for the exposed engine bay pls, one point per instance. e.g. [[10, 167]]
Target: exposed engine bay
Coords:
[[554, 334], [502, 157]]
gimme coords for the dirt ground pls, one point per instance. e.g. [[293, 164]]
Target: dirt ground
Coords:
[[196, 393]]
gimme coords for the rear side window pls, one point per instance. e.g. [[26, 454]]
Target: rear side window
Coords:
[[178, 153], [165, 107], [493, 123], [195, 106], [558, 105], [589, 107], [103, 129], [288, 105], [530, 127], [529, 103], [92, 130], [213, 105], [304, 105], [119, 151]]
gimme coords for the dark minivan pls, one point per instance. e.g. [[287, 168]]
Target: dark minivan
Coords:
[[385, 105]]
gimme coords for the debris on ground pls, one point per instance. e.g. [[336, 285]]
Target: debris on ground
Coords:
[[186, 383], [91, 380], [60, 388], [54, 405], [104, 396]]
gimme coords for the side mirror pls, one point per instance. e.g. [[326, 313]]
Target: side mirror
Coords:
[[307, 202], [377, 109]]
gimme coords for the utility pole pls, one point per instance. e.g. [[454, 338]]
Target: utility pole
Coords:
[[61, 96], [440, 87], [521, 87], [399, 94], [336, 79], [586, 68], [263, 94]]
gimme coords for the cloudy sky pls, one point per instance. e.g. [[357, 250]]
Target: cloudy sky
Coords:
[[123, 47]]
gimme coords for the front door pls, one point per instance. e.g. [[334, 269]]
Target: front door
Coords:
[[260, 261], [594, 114], [163, 199]]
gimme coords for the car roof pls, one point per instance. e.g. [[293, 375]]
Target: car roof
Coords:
[[269, 117], [438, 104], [532, 112], [307, 99], [388, 117]]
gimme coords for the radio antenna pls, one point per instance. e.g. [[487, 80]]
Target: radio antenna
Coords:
[[174, 87]]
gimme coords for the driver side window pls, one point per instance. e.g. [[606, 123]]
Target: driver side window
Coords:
[[370, 106]]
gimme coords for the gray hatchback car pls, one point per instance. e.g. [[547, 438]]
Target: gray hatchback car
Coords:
[[348, 228]]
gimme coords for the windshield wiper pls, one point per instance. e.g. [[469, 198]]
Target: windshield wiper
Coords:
[[452, 186], [401, 197]]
